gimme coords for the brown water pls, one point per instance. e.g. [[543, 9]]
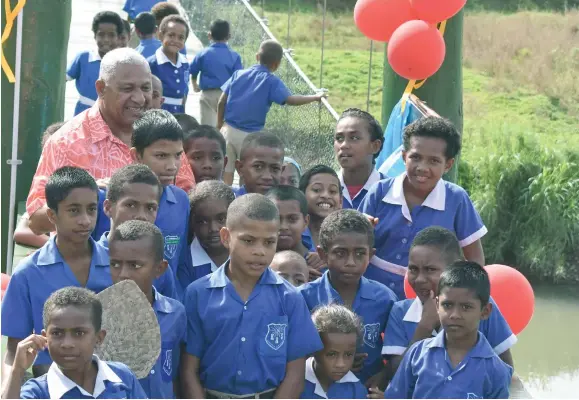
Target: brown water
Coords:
[[547, 353]]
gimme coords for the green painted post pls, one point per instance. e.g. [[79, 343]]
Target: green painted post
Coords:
[[441, 92], [44, 45]]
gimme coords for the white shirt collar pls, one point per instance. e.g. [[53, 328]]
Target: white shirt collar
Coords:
[[94, 56], [414, 313], [311, 377], [199, 256], [59, 384], [435, 200], [162, 58], [372, 179]]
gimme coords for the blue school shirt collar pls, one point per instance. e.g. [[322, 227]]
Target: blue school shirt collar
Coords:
[[58, 384], [162, 58], [319, 390], [145, 42], [372, 179], [435, 200], [480, 350], [261, 68], [220, 44], [49, 254], [168, 194], [365, 291], [162, 304], [94, 55], [199, 256], [218, 279]]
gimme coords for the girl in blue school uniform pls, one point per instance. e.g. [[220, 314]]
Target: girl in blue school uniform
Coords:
[[107, 26], [328, 374], [169, 65], [346, 245], [358, 140], [420, 198]]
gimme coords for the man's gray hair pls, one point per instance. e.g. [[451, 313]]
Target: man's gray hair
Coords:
[[117, 57]]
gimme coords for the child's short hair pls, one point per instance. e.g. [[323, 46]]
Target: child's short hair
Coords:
[[285, 193], [135, 230], [72, 296], [434, 127], [107, 17], [205, 131], [210, 190], [467, 275], [51, 130], [315, 170], [176, 19], [186, 121], [162, 10], [260, 139], [155, 125], [254, 206], [145, 23], [129, 174], [219, 30], [374, 127], [440, 238], [336, 318], [126, 27], [345, 221], [63, 181], [270, 52], [290, 255]]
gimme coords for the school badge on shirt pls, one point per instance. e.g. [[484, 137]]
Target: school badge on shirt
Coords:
[[171, 244], [275, 336], [371, 333], [168, 363]]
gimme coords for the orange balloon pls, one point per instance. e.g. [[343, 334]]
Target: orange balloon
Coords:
[[434, 11], [378, 19], [4, 280], [408, 291], [416, 50], [513, 295]]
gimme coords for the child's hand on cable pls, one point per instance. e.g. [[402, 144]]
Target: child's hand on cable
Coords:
[[375, 393], [27, 350]]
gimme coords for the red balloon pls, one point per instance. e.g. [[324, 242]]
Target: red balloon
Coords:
[[378, 19], [416, 50], [408, 291], [4, 280], [2, 293], [436, 10], [513, 295]]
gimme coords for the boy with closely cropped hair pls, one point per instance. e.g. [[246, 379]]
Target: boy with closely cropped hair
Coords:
[[205, 150], [146, 30]]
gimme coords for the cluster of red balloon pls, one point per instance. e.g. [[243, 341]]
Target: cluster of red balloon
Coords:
[[416, 48], [4, 280], [511, 291]]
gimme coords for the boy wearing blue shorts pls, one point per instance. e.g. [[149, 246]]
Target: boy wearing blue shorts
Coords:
[[136, 251], [70, 258], [246, 100], [72, 320], [84, 69], [412, 320], [458, 362], [249, 331], [346, 246], [420, 198]]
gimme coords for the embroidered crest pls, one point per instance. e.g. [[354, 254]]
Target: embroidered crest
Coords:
[[168, 363], [472, 396], [275, 336], [371, 334], [171, 244]]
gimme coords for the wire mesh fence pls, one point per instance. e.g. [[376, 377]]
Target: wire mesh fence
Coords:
[[307, 131]]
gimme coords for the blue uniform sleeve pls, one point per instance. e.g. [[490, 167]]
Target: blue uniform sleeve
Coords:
[[127, 7], [73, 70], [395, 338], [17, 318], [165, 284], [33, 389], [195, 66], [136, 391], [369, 204], [278, 91], [237, 65], [402, 385], [500, 382], [468, 224], [303, 337], [184, 274], [226, 87], [497, 331], [195, 339]]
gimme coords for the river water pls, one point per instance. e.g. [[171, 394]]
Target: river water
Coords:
[[547, 353]]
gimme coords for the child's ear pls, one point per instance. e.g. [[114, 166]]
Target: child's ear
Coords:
[[100, 86], [404, 156], [134, 154], [376, 144], [100, 336], [162, 100], [448, 165], [225, 161], [225, 235], [107, 205], [161, 268], [323, 255], [307, 219], [486, 311], [372, 252], [51, 216], [238, 166]]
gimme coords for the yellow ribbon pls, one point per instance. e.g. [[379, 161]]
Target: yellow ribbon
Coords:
[[412, 85], [10, 17]]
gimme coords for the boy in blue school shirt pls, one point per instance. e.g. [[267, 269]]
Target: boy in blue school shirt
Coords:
[[169, 65], [204, 147], [412, 320], [70, 258], [136, 251], [249, 331], [72, 320], [358, 140], [346, 246], [420, 198], [246, 100], [209, 203], [216, 64], [459, 362], [162, 10], [84, 69], [146, 30], [133, 194], [158, 143]]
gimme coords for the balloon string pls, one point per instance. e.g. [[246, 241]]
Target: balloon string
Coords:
[[10, 17], [412, 85]]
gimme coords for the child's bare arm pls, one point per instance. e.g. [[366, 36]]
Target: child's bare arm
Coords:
[[191, 387], [196, 88], [474, 252], [17, 362], [24, 235], [292, 385], [298, 100], [221, 110]]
